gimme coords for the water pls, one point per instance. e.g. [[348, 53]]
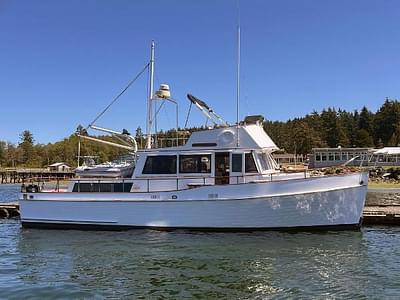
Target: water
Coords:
[[40, 264], [9, 192]]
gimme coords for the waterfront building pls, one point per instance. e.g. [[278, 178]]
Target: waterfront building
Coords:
[[328, 157], [59, 167]]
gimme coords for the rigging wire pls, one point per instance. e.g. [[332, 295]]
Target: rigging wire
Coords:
[[119, 95], [187, 117]]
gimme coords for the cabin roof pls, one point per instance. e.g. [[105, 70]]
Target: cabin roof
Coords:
[[388, 151], [58, 164], [250, 137]]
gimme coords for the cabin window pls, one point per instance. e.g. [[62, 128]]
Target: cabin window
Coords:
[[122, 187], [344, 155], [102, 187], [331, 156], [195, 163], [237, 162], [318, 156], [250, 165], [263, 161], [160, 164], [266, 161], [105, 187]]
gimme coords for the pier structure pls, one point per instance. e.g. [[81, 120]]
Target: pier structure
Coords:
[[18, 175], [9, 210]]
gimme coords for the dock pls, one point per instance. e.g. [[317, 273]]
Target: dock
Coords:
[[382, 215], [9, 210], [19, 175]]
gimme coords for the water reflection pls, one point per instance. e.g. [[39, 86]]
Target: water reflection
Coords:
[[181, 264]]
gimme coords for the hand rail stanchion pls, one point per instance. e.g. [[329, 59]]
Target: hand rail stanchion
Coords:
[[148, 185]]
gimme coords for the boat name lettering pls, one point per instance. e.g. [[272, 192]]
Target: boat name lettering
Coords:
[[212, 196], [155, 196]]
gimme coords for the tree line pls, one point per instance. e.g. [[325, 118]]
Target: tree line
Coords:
[[333, 128], [329, 128]]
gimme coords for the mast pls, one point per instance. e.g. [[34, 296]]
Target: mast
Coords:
[[238, 85], [150, 98]]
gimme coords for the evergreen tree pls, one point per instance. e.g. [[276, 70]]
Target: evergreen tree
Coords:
[[27, 147], [364, 139], [395, 138], [2, 152], [386, 120], [334, 133], [366, 121]]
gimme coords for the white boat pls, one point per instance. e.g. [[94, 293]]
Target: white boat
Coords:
[[115, 169], [223, 178]]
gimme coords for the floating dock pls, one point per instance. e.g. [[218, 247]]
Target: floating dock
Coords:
[[382, 215], [9, 210]]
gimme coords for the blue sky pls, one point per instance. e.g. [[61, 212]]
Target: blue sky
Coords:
[[62, 62]]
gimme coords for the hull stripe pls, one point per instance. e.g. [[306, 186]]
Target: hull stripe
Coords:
[[75, 226]]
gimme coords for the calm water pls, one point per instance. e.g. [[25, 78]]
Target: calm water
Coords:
[[158, 265]]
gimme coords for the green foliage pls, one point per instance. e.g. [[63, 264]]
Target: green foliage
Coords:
[[386, 121], [27, 147], [2, 152], [332, 128], [363, 139]]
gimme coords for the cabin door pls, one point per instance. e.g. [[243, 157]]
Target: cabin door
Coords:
[[222, 168]]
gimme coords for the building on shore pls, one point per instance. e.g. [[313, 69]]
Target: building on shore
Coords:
[[328, 157], [59, 167]]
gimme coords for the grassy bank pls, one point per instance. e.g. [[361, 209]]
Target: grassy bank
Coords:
[[383, 185]]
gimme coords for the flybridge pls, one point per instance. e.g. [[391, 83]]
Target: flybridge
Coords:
[[251, 137]]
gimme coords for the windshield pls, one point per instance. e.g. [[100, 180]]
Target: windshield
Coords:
[[266, 161]]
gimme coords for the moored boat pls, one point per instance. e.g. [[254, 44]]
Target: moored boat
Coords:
[[223, 178]]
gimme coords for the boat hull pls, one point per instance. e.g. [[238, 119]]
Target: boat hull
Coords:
[[302, 207]]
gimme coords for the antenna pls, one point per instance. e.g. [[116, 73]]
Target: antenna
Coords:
[[149, 103], [238, 78]]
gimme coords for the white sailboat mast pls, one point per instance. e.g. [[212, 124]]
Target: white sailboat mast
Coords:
[[238, 86], [150, 98]]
